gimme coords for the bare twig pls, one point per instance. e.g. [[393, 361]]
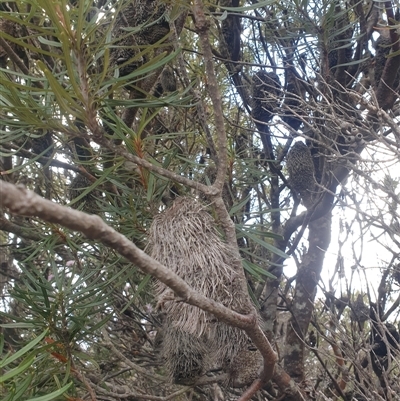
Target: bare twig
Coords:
[[13, 56], [202, 26], [256, 386]]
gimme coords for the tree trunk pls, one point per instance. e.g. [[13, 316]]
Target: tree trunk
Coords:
[[303, 301]]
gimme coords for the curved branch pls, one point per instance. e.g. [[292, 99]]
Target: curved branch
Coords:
[[23, 202]]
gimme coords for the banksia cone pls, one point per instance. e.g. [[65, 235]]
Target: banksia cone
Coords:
[[265, 89], [231, 30], [360, 311], [168, 80], [13, 29], [185, 239], [185, 354], [150, 14], [301, 171], [43, 144], [382, 49], [245, 367], [87, 203], [292, 105]]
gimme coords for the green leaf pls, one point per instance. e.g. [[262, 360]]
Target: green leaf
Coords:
[[256, 270], [51, 43], [259, 241], [239, 206], [21, 388], [144, 70], [22, 367], [223, 16], [253, 297], [66, 103], [22, 325], [53, 395], [1, 343], [22, 351], [254, 6]]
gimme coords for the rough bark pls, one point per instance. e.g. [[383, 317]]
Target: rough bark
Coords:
[[303, 301]]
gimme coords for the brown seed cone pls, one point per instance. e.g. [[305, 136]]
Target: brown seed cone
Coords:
[[185, 355], [231, 30], [265, 90], [13, 29], [185, 239], [87, 203], [245, 367], [146, 13], [301, 171], [43, 144], [168, 80], [360, 311]]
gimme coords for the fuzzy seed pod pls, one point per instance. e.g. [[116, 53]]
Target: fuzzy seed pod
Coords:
[[185, 355], [151, 14], [301, 171], [396, 273], [245, 367], [146, 13], [312, 339], [382, 49], [385, 340], [168, 80], [292, 104], [185, 239], [360, 311], [231, 30], [266, 89], [43, 144], [13, 29], [87, 203]]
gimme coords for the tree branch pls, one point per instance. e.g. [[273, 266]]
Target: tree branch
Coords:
[[23, 202], [202, 26], [228, 226]]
